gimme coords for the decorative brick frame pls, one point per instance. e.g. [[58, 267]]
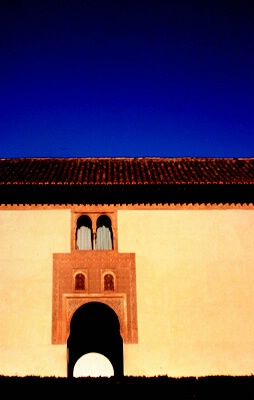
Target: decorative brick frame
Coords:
[[66, 300], [71, 302]]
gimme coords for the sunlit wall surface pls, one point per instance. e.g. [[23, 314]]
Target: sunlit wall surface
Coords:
[[194, 276]]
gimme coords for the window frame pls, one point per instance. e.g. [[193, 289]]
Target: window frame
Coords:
[[94, 215]]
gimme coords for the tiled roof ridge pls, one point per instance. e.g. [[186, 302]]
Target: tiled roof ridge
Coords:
[[99, 180], [126, 170], [127, 158]]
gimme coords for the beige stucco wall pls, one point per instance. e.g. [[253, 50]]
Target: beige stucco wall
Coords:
[[27, 241], [195, 285], [195, 281]]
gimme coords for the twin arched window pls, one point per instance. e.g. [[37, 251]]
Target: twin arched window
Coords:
[[101, 239], [80, 282]]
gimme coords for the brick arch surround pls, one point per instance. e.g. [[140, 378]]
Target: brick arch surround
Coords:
[[66, 300], [117, 303]]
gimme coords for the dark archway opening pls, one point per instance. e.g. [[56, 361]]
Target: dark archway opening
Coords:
[[95, 327]]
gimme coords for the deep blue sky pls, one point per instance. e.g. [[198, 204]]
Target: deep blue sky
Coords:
[[91, 78]]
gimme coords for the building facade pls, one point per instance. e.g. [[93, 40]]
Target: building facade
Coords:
[[147, 262]]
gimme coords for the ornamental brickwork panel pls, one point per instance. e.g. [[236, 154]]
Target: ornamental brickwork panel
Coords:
[[105, 276]]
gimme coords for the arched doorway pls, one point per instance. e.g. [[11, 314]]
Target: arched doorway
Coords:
[[95, 328]]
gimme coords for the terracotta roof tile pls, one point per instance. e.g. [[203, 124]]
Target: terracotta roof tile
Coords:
[[126, 171]]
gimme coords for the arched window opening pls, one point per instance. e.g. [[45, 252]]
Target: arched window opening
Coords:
[[109, 282], [104, 234], [80, 282], [84, 239]]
